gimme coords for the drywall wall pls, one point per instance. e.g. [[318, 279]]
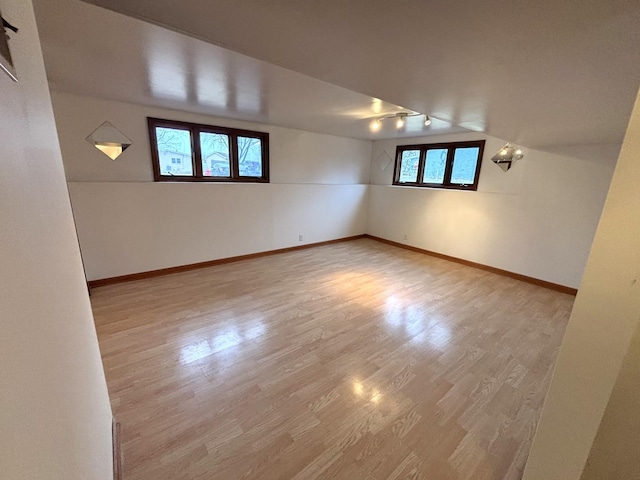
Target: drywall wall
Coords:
[[537, 219], [136, 227], [614, 454], [605, 315], [127, 223], [296, 156], [54, 407]]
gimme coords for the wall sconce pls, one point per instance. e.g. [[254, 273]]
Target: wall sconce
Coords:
[[507, 156], [6, 62], [109, 140], [400, 119]]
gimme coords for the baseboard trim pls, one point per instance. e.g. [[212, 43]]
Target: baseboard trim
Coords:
[[211, 263], [524, 278], [117, 451]]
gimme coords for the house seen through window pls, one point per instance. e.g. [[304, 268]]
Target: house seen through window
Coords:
[[443, 165], [192, 152]]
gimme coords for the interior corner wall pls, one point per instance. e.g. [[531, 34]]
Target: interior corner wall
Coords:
[[128, 224], [538, 219], [55, 415], [614, 453], [605, 315]]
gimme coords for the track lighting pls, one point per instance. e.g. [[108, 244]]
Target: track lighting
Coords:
[[400, 120]]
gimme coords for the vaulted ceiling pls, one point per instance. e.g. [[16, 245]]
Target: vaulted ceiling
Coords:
[[543, 73]]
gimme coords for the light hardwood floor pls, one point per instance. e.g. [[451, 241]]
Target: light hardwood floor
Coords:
[[353, 361]]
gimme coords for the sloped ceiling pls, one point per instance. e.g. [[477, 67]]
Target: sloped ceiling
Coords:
[[96, 52], [540, 73]]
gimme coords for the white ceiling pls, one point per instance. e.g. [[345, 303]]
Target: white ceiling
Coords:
[[540, 73], [95, 52]]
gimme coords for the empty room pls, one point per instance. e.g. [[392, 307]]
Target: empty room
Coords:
[[319, 240]]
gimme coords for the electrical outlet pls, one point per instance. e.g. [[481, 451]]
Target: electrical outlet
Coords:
[[301, 237], [406, 236]]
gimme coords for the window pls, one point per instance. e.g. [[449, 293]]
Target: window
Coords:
[[203, 153], [439, 165]]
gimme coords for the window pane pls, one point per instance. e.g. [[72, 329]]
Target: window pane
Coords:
[[465, 162], [174, 151], [409, 166], [436, 161], [215, 154], [250, 157]]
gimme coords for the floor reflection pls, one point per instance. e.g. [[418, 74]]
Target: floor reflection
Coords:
[[373, 395], [195, 351], [415, 321], [439, 335], [227, 337]]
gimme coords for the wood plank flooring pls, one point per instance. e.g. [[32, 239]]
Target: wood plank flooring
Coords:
[[353, 361]]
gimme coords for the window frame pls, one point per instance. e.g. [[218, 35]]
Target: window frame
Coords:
[[196, 155], [448, 169]]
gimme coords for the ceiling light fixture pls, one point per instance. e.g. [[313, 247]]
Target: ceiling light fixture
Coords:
[[507, 156], [400, 120]]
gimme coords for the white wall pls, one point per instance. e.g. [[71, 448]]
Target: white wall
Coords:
[[136, 227], [54, 409], [603, 320], [128, 224], [614, 453], [537, 219]]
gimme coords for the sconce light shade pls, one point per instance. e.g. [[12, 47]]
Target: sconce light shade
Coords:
[[507, 156], [109, 140], [6, 62]]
